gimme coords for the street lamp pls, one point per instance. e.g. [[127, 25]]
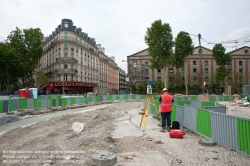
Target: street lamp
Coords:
[[201, 66]]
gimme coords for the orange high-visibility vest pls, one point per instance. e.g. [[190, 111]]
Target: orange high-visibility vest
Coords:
[[166, 103]]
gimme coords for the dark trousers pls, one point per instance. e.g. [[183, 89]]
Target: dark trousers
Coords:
[[166, 116]]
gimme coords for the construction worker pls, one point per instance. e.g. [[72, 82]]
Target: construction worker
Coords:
[[166, 101]]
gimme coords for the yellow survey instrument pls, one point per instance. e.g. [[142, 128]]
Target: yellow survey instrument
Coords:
[[144, 117]]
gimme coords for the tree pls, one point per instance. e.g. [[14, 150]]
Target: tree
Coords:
[[41, 78], [183, 47], [158, 86], [8, 65], [160, 43], [27, 46], [221, 59]]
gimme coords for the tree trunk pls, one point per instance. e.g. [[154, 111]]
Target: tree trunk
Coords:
[[185, 75], [8, 81], [165, 76]]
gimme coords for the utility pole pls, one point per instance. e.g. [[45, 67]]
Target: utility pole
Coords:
[[201, 66]]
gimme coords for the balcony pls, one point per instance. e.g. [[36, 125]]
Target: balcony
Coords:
[[66, 59], [72, 39], [69, 71], [49, 73]]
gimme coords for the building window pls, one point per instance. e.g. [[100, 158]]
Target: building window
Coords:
[[206, 63], [65, 45], [158, 78], [240, 63], [66, 24], [146, 63], [146, 71], [171, 70], [246, 51], [194, 70], [147, 78], [65, 78], [169, 78], [206, 70], [182, 78], [241, 70], [159, 70], [65, 55], [65, 66], [182, 70], [228, 63], [206, 78], [65, 35], [194, 62], [71, 78]]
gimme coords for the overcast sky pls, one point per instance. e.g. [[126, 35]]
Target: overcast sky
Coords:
[[120, 25]]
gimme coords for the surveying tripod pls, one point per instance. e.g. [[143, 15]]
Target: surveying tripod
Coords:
[[145, 111]]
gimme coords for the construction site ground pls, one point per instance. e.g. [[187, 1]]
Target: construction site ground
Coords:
[[48, 139]]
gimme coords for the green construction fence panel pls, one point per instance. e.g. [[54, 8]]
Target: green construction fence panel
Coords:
[[156, 97], [182, 103], [90, 99], [205, 104], [203, 123], [193, 98], [117, 97], [109, 97], [57, 103], [64, 101], [185, 98], [142, 97], [220, 98], [37, 103], [212, 98], [1, 106], [179, 98], [173, 114], [133, 96], [243, 135], [58, 97], [11, 106], [72, 100], [49, 97], [98, 99], [41, 97], [125, 97], [82, 100], [23, 103], [226, 98], [49, 103]]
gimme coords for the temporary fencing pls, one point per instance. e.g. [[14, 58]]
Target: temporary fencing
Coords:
[[207, 118]]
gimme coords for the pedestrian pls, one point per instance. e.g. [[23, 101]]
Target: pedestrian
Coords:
[[166, 101]]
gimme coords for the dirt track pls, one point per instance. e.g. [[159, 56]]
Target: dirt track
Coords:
[[54, 140]]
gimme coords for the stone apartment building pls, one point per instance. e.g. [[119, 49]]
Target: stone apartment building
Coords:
[[138, 66], [74, 63], [113, 76], [122, 82]]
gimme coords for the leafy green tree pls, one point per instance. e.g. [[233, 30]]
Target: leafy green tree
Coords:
[[142, 88], [158, 86], [221, 59], [8, 65], [160, 43], [27, 46], [134, 89], [41, 79], [183, 47]]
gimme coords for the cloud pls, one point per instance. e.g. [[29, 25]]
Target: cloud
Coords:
[[3, 37]]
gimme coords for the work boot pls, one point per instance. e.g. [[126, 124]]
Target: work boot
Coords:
[[163, 130], [168, 129]]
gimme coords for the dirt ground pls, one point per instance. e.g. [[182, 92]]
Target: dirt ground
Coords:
[[237, 110], [53, 142]]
